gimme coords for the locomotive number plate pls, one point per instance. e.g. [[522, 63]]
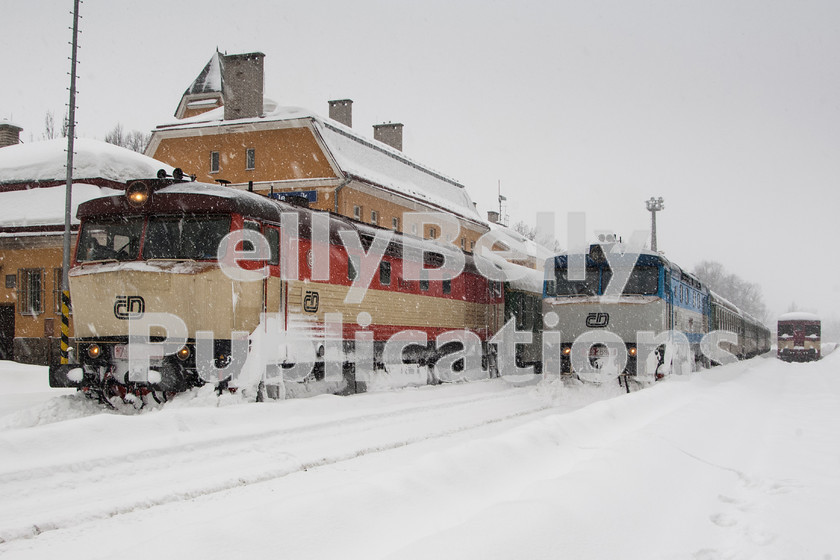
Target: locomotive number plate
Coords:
[[121, 352]]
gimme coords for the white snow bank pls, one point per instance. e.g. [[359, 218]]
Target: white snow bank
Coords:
[[25, 389], [47, 161]]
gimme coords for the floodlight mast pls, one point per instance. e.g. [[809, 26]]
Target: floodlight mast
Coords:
[[71, 135], [654, 205]]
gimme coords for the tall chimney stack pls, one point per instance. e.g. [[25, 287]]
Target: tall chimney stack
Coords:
[[389, 133], [242, 85], [9, 134], [341, 110]]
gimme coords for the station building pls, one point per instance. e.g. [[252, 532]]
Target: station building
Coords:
[[225, 130]]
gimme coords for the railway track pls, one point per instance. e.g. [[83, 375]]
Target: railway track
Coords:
[[105, 483]]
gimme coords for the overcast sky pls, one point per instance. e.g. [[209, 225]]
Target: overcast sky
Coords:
[[730, 109]]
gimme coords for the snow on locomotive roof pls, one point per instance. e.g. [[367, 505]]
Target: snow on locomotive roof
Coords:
[[47, 161], [798, 316], [358, 156]]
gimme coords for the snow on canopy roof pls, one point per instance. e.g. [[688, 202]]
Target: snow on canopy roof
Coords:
[[7, 122], [209, 80], [364, 158], [45, 206], [798, 316], [47, 161]]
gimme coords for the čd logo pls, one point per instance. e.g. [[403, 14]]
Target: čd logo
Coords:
[[597, 320], [129, 307]]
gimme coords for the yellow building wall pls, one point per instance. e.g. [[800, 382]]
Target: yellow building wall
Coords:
[[34, 253], [283, 154]]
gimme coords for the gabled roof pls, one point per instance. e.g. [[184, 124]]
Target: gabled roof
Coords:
[[357, 157]]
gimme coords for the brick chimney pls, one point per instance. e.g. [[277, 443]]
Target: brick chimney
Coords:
[[341, 110], [389, 133], [242, 85], [492, 216], [9, 134]]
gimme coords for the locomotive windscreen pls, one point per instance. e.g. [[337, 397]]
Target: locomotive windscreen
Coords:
[[110, 239], [644, 280], [184, 237]]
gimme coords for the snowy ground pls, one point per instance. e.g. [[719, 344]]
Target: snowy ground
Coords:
[[734, 463]]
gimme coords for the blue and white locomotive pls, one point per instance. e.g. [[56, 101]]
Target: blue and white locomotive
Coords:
[[637, 313]]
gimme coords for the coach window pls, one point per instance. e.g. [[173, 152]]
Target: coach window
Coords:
[[273, 237], [385, 273], [250, 159], [214, 162], [353, 267]]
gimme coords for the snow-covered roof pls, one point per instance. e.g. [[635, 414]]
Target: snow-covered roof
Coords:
[[45, 206], [798, 316], [515, 240], [7, 122], [47, 161], [367, 159], [209, 80]]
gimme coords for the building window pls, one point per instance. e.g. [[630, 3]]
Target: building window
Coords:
[[31, 291], [357, 213], [11, 281], [432, 233], [463, 244], [214, 162], [57, 292], [250, 158], [385, 273], [395, 224], [374, 217], [472, 246]]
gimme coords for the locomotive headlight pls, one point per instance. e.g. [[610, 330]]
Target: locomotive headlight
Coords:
[[567, 350], [94, 351], [632, 352], [137, 193], [183, 353]]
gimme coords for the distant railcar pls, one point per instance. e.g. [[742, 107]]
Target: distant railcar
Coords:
[[799, 337]]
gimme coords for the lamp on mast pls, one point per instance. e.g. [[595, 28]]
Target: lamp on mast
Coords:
[[654, 205]]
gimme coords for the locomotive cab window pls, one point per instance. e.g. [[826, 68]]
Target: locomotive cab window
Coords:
[[112, 239], [644, 280], [563, 286], [185, 237]]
